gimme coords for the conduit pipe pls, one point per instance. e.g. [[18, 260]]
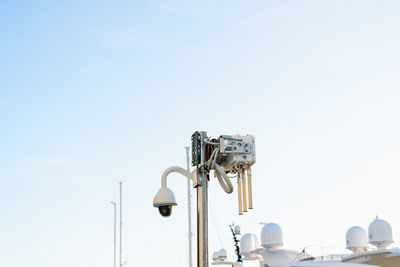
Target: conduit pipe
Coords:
[[177, 169], [223, 179]]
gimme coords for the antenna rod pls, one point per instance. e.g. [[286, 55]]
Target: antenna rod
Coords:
[[244, 191], [189, 208], [249, 187], [120, 224], [239, 181]]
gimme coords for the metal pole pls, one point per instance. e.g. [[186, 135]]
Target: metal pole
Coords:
[[202, 209], [115, 232], [120, 224], [189, 209]]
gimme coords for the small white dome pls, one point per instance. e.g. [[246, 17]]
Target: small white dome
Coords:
[[271, 236], [356, 239], [237, 229], [380, 234], [248, 243], [215, 256], [222, 254]]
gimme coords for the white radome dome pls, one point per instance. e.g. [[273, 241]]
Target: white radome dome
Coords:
[[248, 243], [215, 256], [222, 254], [237, 229], [356, 239], [380, 234], [271, 236]]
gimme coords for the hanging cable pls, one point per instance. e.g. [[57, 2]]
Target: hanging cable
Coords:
[[216, 227], [223, 179], [220, 173], [211, 143]]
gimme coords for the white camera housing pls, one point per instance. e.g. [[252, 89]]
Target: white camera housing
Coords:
[[164, 200]]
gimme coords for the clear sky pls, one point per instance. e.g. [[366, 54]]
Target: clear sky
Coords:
[[94, 92]]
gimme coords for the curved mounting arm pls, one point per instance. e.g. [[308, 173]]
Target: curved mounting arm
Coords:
[[177, 169]]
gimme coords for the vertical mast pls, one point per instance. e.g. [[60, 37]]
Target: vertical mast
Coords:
[[189, 209], [115, 232], [199, 150], [120, 224]]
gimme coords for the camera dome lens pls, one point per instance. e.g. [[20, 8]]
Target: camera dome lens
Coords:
[[165, 211]]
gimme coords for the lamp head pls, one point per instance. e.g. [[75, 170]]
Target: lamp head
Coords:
[[164, 200]]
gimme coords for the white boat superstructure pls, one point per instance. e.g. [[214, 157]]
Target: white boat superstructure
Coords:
[[380, 237], [383, 258], [367, 249]]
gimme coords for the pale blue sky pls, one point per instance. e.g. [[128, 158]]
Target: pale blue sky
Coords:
[[92, 92]]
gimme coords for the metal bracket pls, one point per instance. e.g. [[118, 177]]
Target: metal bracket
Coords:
[[196, 149], [198, 173]]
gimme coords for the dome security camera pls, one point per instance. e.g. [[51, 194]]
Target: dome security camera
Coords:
[[165, 210], [164, 200]]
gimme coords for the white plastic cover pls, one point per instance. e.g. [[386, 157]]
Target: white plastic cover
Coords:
[[222, 254], [237, 229], [165, 196], [215, 256], [380, 234], [248, 243], [271, 236], [356, 239]]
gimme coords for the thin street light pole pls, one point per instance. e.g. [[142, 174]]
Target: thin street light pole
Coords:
[[120, 224], [189, 209], [115, 232]]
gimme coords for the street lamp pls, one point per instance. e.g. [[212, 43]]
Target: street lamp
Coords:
[[224, 155]]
